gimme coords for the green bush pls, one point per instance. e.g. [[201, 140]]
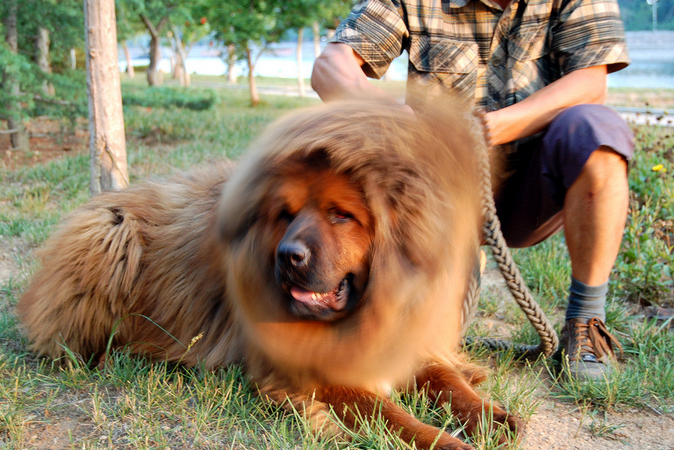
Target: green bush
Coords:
[[168, 97]]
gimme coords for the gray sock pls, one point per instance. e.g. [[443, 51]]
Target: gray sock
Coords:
[[586, 301]]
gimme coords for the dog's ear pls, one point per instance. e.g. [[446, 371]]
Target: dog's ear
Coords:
[[238, 208], [240, 203], [405, 215]]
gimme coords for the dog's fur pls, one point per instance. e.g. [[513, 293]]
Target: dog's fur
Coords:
[[205, 268]]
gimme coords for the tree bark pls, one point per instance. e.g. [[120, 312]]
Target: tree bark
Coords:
[[317, 38], [254, 96], [300, 78], [42, 43], [154, 75], [10, 83], [106, 123], [130, 72], [231, 64]]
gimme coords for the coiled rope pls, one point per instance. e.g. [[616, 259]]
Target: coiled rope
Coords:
[[493, 236]]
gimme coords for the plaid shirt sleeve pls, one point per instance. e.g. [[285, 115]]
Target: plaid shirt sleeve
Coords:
[[376, 31], [590, 33]]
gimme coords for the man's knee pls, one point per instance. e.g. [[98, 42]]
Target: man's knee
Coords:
[[604, 166], [584, 128]]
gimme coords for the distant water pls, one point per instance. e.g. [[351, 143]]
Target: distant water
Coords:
[[652, 64]]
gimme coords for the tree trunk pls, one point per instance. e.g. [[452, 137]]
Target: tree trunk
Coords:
[[42, 43], [300, 78], [129, 65], [231, 64], [317, 39], [73, 59], [106, 123], [10, 83], [181, 60], [154, 75], [254, 97]]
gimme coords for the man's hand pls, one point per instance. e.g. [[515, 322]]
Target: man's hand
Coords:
[[536, 112], [338, 74]]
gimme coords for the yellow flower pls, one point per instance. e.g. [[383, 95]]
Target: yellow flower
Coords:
[[659, 168]]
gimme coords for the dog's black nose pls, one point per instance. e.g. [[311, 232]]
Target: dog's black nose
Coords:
[[293, 253]]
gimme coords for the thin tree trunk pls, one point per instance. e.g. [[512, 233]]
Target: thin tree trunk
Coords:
[[317, 38], [154, 75], [254, 96], [181, 60], [231, 64], [42, 43], [130, 72], [10, 83], [300, 78], [106, 123], [73, 59]]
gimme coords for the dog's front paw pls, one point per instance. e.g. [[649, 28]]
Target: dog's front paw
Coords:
[[457, 445], [515, 426]]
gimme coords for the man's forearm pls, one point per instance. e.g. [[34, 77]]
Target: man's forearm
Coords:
[[534, 113]]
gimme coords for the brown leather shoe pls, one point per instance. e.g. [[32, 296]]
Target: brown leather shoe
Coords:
[[590, 348]]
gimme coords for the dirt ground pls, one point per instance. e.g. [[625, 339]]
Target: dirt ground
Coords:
[[555, 425], [49, 139]]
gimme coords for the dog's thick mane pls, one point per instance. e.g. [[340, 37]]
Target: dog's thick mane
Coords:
[[420, 183]]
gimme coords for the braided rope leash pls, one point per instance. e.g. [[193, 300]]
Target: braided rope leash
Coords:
[[493, 236]]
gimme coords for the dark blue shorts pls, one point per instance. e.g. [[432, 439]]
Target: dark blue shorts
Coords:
[[530, 193]]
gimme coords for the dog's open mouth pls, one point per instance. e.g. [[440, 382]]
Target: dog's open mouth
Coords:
[[320, 305]]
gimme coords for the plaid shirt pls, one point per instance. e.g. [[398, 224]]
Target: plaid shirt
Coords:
[[489, 56]]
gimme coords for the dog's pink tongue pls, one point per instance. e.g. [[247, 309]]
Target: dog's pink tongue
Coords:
[[313, 299], [302, 295]]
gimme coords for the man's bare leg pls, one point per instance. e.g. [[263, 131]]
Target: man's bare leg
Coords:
[[595, 211]]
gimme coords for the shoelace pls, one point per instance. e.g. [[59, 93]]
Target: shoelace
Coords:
[[594, 338]]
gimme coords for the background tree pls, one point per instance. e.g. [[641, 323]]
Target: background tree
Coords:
[[107, 142], [129, 26], [299, 14], [187, 28], [10, 77], [155, 16], [638, 14], [55, 28], [250, 26], [38, 36]]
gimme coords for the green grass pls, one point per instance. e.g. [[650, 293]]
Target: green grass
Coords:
[[132, 403]]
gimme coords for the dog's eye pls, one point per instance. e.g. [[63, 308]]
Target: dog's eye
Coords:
[[286, 216], [340, 216]]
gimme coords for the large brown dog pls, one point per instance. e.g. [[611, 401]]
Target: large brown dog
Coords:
[[332, 261]]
